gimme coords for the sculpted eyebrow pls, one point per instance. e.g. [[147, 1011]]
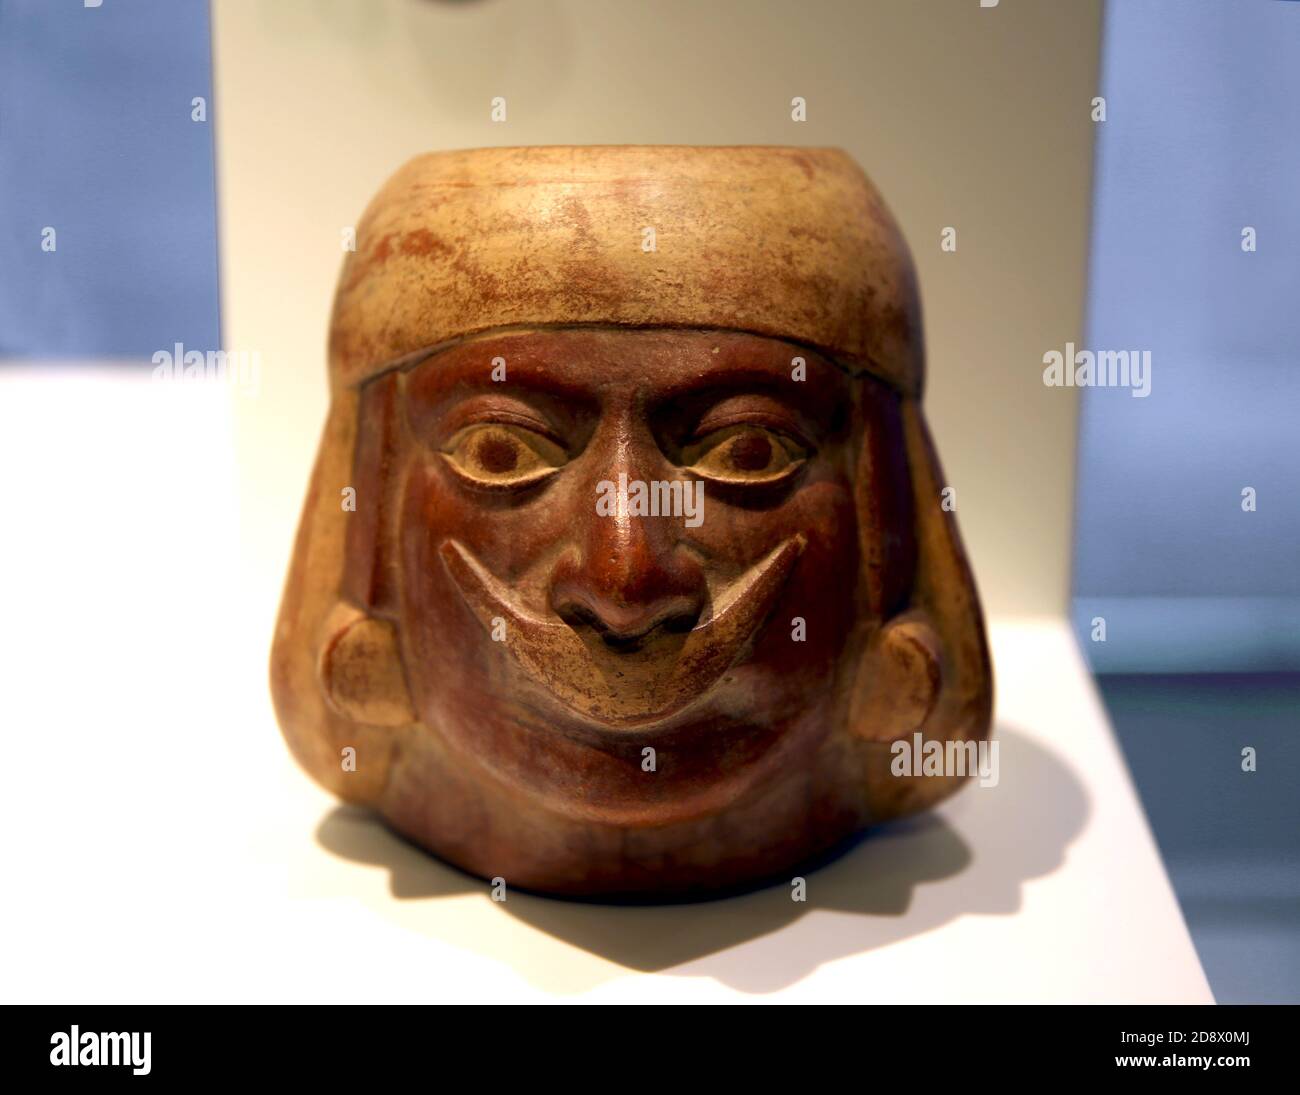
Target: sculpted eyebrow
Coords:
[[493, 369], [814, 399], [504, 408]]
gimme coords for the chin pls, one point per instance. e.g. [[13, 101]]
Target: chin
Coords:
[[647, 769]]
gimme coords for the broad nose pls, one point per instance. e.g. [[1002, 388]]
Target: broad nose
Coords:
[[630, 575]]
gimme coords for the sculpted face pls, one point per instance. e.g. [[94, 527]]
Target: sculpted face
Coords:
[[647, 571], [554, 632]]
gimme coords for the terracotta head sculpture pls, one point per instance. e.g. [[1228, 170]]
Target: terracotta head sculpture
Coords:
[[624, 561]]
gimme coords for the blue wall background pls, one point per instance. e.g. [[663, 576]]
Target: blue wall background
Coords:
[[97, 141], [1202, 600], [1202, 138]]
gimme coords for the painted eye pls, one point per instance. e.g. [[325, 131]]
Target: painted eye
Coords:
[[746, 454], [493, 455]]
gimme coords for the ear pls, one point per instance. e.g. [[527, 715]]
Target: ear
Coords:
[[360, 670], [899, 681]]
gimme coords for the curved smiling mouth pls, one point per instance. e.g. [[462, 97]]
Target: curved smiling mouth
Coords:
[[632, 683]]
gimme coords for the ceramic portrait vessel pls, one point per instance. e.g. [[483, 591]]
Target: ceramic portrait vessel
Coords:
[[624, 563]]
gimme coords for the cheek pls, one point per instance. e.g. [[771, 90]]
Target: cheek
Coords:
[[812, 620], [821, 510], [506, 534], [825, 589], [442, 641], [447, 649]]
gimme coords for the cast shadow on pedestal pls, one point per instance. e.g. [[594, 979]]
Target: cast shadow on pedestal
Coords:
[[1011, 833]]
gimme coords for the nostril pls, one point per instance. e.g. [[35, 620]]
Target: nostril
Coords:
[[577, 615], [679, 622]]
